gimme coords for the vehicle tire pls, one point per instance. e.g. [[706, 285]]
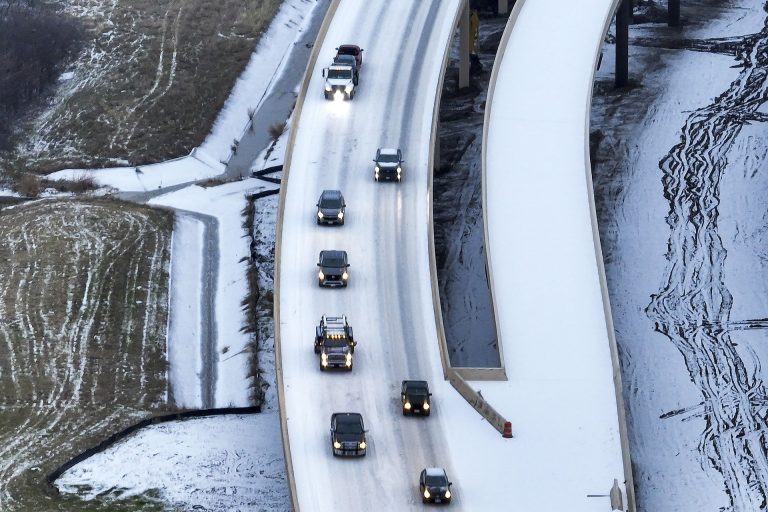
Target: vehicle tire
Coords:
[[317, 349], [405, 413]]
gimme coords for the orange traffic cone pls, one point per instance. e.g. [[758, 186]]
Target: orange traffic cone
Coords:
[[507, 430]]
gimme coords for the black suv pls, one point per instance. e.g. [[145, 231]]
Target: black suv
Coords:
[[415, 397], [331, 207], [388, 164], [348, 434], [333, 269], [434, 486]]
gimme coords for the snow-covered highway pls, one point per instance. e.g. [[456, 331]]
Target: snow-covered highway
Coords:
[[389, 300]]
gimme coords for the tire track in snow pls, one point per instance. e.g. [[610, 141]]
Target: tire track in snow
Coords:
[[693, 305]]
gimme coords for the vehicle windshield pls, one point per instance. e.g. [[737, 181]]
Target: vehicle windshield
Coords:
[[332, 261], [436, 481], [388, 159], [340, 74], [335, 343], [330, 202], [347, 50], [348, 425], [417, 389]]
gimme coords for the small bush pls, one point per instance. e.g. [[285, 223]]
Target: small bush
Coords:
[[78, 185], [276, 130], [29, 185]]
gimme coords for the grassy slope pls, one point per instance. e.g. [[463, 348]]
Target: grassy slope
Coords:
[[151, 84], [83, 315]]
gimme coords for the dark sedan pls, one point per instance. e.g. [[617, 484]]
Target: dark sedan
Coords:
[[434, 486]]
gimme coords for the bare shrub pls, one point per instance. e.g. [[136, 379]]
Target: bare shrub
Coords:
[[29, 185], [276, 130], [78, 185]]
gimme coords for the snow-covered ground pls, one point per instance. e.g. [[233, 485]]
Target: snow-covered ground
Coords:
[[221, 463], [683, 186]]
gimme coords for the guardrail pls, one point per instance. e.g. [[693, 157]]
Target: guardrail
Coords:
[[278, 246]]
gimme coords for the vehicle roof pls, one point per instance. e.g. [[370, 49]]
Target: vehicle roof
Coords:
[[347, 415], [416, 383], [435, 472], [345, 57], [333, 254], [330, 193], [349, 47], [388, 151]]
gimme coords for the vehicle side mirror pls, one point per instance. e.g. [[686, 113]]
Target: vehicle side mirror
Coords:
[[325, 72], [362, 50], [429, 394], [318, 264], [337, 48]]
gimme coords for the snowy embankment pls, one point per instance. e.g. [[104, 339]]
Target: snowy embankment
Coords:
[[209, 159]]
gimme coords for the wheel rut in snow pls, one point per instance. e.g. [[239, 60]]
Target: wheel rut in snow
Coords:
[[693, 305]]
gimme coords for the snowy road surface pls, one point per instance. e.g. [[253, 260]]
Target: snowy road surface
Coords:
[[545, 274], [388, 301]]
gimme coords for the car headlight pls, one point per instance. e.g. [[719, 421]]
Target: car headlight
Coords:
[[426, 406], [407, 406], [376, 169], [362, 445], [328, 87], [320, 215], [337, 445], [426, 493], [321, 275], [447, 494], [348, 87], [349, 358], [341, 215], [324, 356], [399, 169], [345, 276]]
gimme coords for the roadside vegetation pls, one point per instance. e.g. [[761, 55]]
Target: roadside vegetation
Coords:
[[83, 315], [146, 87], [34, 42]]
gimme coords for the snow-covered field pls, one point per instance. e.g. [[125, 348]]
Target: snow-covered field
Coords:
[[221, 463], [683, 211]]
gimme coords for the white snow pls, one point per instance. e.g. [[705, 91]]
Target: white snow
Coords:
[[560, 396], [225, 203], [220, 463], [184, 336]]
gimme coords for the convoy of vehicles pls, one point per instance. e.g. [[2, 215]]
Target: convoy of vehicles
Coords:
[[334, 339], [335, 343], [343, 75], [388, 164]]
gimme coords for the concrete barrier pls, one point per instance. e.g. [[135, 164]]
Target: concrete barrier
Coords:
[[478, 403], [278, 239]]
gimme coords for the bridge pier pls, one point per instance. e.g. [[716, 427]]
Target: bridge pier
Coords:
[[464, 37], [623, 18], [673, 13]]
